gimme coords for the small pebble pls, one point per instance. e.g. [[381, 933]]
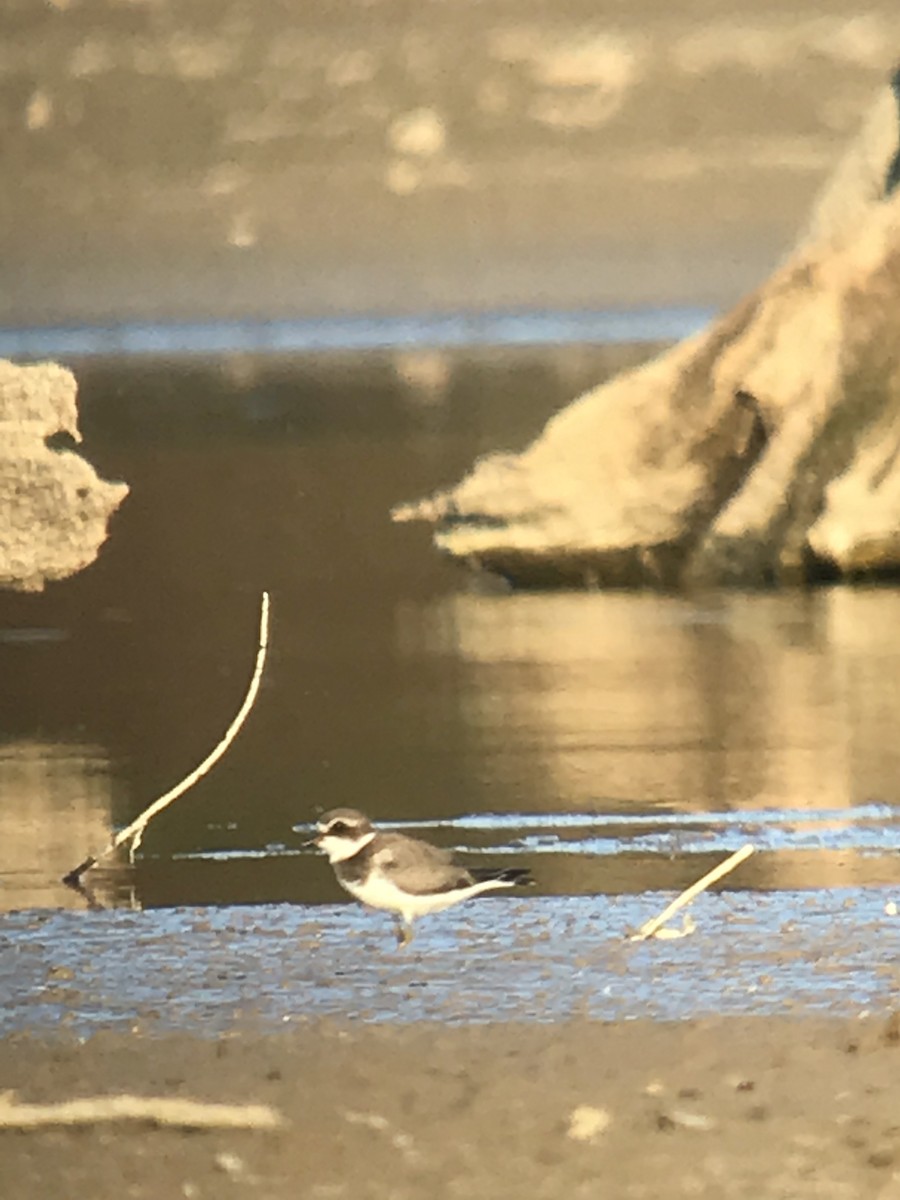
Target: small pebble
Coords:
[[696, 1122], [230, 1164], [586, 1123]]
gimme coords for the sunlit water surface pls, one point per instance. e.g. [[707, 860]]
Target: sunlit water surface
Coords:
[[617, 744]]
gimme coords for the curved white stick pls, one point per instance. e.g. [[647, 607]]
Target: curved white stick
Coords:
[[135, 831]]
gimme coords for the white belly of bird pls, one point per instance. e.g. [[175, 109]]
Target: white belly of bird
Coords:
[[380, 892]]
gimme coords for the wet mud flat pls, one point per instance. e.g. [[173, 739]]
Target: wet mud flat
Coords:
[[255, 969], [723, 1107]]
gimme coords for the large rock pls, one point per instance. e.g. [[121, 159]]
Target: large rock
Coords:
[[748, 453], [54, 510]]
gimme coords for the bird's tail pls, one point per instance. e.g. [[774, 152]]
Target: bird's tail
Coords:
[[511, 876]]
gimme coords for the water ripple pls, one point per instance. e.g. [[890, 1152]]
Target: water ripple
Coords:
[[871, 828]]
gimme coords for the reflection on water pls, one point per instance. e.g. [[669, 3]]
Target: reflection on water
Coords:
[[395, 687], [56, 796], [700, 703]]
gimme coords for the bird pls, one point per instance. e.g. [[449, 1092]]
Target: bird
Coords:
[[404, 875]]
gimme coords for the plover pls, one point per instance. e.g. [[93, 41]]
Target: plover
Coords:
[[406, 876]]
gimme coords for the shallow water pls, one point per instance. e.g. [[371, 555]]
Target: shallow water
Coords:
[[617, 744], [460, 330], [228, 969]]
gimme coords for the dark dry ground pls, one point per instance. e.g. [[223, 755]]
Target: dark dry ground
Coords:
[[743, 1107]]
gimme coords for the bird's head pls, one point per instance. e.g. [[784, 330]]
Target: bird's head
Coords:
[[342, 833]]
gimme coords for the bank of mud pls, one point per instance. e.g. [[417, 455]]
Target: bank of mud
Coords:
[[741, 1107]]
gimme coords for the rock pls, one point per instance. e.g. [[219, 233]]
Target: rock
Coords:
[[586, 1123], [817, 358], [54, 509], [762, 449], [868, 172]]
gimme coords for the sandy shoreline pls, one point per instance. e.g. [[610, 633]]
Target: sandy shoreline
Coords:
[[745, 1107], [428, 158]]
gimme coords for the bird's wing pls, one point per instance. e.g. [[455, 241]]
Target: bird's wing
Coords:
[[424, 868]]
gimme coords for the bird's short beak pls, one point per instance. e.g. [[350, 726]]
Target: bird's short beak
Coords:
[[313, 841]]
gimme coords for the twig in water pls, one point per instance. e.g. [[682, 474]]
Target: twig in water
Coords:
[[649, 928], [134, 832], [163, 1110]]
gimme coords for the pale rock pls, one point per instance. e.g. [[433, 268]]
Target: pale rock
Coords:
[[54, 510], [763, 449]]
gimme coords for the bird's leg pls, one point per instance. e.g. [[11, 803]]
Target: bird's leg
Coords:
[[404, 932]]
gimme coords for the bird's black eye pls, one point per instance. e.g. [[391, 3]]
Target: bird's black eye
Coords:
[[338, 827]]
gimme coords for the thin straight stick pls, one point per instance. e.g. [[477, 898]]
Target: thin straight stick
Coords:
[[734, 860], [155, 1110], [135, 831]]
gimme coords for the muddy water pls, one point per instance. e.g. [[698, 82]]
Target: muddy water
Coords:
[[618, 744]]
